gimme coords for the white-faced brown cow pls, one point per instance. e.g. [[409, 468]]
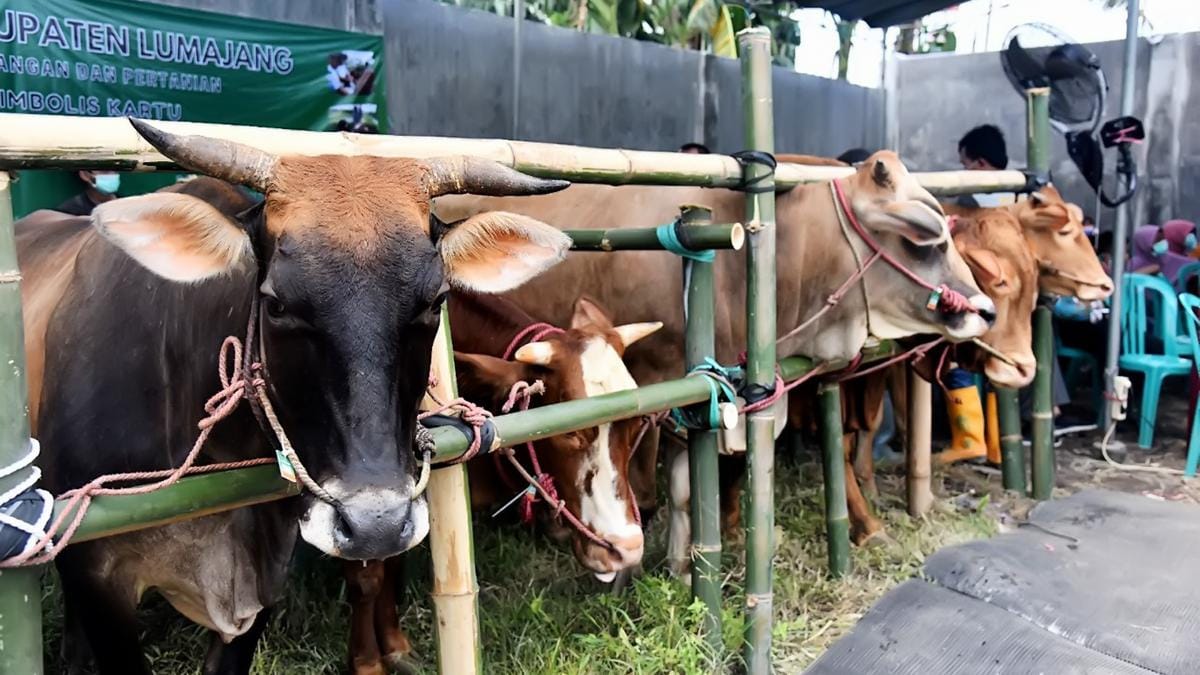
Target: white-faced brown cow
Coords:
[[124, 316]]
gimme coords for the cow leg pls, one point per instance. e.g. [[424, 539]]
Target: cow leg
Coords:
[[643, 469], [236, 657], [863, 525], [679, 534], [393, 641], [105, 615], [363, 581], [731, 472]]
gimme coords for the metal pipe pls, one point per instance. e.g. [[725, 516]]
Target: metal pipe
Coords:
[[1012, 453], [1043, 405], [111, 143], [20, 589], [837, 515], [694, 238], [758, 104], [1042, 431], [1121, 226], [702, 443]]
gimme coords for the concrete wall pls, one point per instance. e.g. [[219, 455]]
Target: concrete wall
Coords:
[[450, 73], [938, 98]]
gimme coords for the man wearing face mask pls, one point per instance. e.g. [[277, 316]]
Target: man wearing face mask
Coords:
[[101, 187]]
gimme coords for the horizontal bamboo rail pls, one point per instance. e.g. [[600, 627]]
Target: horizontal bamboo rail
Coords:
[[694, 238], [65, 142], [203, 495]]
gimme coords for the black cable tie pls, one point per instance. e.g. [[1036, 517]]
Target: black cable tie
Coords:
[[487, 432], [755, 185], [1035, 181], [753, 393], [26, 507]]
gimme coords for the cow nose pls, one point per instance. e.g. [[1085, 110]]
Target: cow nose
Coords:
[[984, 306], [374, 523], [629, 546]]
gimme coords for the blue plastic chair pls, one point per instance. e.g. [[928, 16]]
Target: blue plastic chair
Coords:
[[1186, 274], [1191, 311], [1140, 294]]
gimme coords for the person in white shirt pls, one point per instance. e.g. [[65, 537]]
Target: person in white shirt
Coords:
[[338, 75]]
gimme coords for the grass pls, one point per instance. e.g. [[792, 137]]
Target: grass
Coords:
[[541, 614]]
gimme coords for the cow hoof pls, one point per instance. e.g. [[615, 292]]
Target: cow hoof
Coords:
[[877, 539], [372, 668], [403, 664]]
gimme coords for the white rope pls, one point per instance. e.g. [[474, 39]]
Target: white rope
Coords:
[[1144, 468], [37, 529]]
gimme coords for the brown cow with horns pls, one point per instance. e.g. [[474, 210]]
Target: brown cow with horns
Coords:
[[125, 314]]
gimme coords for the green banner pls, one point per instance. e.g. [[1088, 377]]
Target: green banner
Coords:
[[134, 59]]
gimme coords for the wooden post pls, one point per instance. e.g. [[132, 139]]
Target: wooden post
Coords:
[[702, 444], [451, 547], [920, 445], [833, 454], [20, 589], [757, 99]]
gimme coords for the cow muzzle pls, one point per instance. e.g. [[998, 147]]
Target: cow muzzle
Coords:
[[625, 552], [961, 326], [370, 522], [1014, 376]]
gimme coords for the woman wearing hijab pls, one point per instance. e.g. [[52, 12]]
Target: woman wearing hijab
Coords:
[[1180, 237], [1148, 244]]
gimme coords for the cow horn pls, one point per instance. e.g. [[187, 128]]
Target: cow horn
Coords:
[[471, 175], [214, 157]]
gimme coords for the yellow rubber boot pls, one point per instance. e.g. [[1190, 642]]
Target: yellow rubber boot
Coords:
[[991, 428], [966, 426]]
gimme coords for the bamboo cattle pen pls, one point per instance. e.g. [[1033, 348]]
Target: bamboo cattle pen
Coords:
[[29, 142], [1042, 461]]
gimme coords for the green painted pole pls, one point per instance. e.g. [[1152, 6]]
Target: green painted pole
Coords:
[[1042, 445], [758, 104], [837, 516], [20, 589], [700, 344], [1043, 405], [1012, 452], [694, 237]]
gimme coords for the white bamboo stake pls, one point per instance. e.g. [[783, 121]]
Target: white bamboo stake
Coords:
[[452, 549]]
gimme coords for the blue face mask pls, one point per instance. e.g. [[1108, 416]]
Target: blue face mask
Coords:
[[1160, 247], [108, 183], [1189, 242]]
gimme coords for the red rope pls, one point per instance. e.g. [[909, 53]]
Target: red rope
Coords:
[[531, 333]]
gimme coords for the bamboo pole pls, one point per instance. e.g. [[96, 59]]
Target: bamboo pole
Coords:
[[20, 589], [1042, 445], [694, 238], [1042, 448], [1012, 453], [702, 443], [837, 516], [451, 546], [920, 445], [758, 103], [28, 142]]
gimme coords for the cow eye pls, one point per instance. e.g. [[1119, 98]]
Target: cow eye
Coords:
[[275, 308], [1066, 231]]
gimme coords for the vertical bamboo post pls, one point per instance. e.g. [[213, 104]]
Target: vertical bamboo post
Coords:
[[837, 516], [920, 445], [1043, 405], [757, 100], [1012, 454], [451, 546], [20, 589], [702, 444], [1038, 150]]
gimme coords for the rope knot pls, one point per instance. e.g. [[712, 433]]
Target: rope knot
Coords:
[[522, 393]]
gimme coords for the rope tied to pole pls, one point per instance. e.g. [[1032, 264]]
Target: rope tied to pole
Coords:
[[719, 379], [668, 236]]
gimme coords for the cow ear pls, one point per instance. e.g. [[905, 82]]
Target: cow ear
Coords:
[[175, 236], [496, 251], [478, 374], [588, 314], [984, 265], [915, 222]]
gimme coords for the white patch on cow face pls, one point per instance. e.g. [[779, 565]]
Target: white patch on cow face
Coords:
[[603, 506]]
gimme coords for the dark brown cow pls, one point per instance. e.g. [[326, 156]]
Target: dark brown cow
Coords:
[[590, 467], [125, 315]]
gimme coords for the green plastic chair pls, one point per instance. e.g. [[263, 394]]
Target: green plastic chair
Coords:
[[1141, 292], [1191, 310]]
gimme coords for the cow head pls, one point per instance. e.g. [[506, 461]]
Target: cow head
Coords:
[[351, 276], [909, 223], [590, 467], [1054, 229], [991, 242]]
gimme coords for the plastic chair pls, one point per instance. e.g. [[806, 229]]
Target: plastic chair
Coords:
[[1140, 294], [1186, 274], [1077, 363], [1191, 307]]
